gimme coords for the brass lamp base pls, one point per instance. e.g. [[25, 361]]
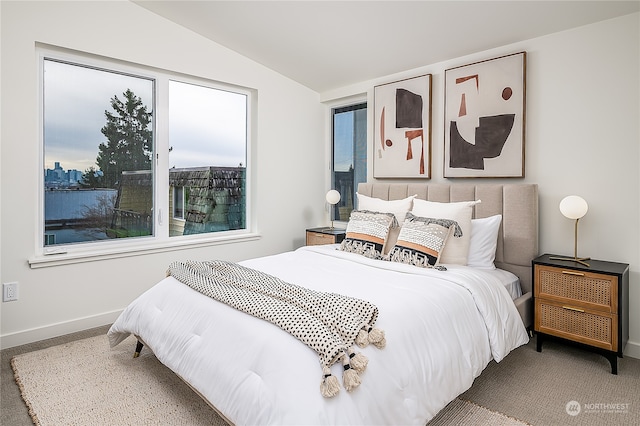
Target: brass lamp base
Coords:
[[575, 257], [580, 260]]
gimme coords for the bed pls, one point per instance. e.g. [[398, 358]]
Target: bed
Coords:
[[442, 327]]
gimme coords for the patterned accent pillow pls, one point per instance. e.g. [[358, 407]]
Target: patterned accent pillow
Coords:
[[422, 240], [399, 208], [367, 233]]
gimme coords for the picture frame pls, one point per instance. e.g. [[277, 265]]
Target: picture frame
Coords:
[[402, 128], [484, 118]]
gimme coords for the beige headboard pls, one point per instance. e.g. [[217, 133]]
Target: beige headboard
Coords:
[[517, 203]]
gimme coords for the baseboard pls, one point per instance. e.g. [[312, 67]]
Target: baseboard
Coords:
[[632, 350], [59, 329]]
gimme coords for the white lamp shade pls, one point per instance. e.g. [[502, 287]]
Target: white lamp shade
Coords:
[[333, 197], [573, 207]]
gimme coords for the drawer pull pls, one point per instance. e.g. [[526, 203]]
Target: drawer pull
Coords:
[[573, 309], [580, 274]]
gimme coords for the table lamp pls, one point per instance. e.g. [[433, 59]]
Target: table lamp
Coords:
[[332, 198], [574, 207]]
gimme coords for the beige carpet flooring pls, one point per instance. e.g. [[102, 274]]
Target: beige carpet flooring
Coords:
[[530, 386], [536, 387]]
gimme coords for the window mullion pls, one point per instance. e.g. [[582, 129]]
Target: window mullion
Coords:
[[163, 211]]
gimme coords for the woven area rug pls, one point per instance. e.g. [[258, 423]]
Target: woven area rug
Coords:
[[85, 382], [460, 412]]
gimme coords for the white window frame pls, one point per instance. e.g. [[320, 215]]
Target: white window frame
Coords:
[[161, 241]]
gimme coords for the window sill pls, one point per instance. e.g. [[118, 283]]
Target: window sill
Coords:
[[64, 258]]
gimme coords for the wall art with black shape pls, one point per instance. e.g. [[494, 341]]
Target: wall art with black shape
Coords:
[[484, 118], [402, 129]]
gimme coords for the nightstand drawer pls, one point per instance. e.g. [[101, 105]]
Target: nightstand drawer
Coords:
[[581, 288], [590, 327], [319, 236], [316, 238]]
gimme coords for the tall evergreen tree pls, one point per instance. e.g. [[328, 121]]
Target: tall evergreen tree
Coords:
[[129, 139]]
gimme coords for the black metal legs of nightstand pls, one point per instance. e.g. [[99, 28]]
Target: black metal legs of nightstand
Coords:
[[613, 360], [612, 357]]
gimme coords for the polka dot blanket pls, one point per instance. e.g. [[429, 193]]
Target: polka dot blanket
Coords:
[[331, 324]]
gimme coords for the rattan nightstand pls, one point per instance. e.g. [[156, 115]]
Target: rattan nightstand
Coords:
[[586, 305], [326, 235]]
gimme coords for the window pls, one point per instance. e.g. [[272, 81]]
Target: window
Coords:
[[123, 145], [207, 155], [98, 150], [349, 159]]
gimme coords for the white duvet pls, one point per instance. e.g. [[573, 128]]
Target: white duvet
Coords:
[[442, 329]]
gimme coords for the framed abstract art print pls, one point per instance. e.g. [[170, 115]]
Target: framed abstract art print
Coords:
[[402, 129], [484, 118]]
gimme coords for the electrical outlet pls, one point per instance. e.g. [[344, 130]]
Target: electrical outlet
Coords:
[[9, 291]]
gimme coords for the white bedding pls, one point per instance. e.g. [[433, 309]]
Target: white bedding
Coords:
[[442, 329], [509, 280]]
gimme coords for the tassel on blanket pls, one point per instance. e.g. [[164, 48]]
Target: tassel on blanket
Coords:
[[376, 336], [329, 386], [362, 339], [371, 335], [358, 361], [350, 377]]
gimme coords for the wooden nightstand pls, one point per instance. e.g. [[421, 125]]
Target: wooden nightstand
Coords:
[[586, 305], [326, 235]]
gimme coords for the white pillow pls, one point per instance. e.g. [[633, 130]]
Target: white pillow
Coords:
[[484, 241], [456, 249], [398, 207]]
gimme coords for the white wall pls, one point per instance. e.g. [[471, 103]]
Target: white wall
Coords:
[[582, 137], [289, 140]]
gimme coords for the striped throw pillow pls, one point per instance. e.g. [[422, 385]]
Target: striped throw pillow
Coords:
[[422, 240], [367, 233]]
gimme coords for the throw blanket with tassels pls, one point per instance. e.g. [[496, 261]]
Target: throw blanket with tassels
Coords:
[[328, 323]]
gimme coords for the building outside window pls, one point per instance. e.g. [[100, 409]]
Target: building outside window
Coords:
[[349, 159]]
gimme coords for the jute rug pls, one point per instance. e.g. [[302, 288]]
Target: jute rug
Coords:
[[86, 383]]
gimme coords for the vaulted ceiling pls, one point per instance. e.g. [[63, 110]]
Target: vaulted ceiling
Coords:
[[326, 45]]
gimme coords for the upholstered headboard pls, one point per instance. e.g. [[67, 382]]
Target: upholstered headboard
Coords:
[[518, 205]]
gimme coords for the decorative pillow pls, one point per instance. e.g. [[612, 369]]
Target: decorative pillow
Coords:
[[484, 241], [367, 233], [456, 251], [398, 207], [421, 240]]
